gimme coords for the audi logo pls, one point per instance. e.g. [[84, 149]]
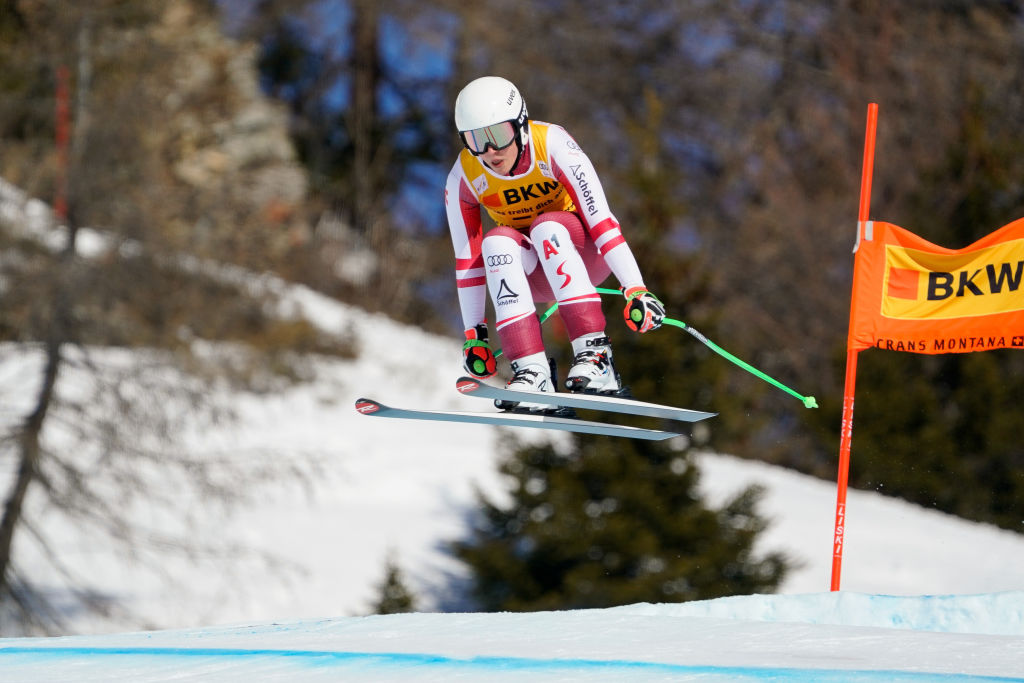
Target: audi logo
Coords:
[[499, 260]]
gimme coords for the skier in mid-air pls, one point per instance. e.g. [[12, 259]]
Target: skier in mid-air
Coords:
[[555, 238]]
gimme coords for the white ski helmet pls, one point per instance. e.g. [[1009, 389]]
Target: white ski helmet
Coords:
[[483, 111]]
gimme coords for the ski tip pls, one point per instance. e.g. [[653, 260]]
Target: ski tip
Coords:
[[367, 406], [466, 385]]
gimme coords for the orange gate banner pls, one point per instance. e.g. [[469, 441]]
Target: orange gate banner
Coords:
[[912, 295]]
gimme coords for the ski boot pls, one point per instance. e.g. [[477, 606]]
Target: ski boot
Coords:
[[593, 371], [530, 373]]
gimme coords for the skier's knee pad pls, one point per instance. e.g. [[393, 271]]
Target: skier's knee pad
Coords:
[[496, 243], [506, 276], [552, 232], [504, 248]]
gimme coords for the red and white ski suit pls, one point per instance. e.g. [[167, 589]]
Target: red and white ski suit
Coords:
[[550, 212]]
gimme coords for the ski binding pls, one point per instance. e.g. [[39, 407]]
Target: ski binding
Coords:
[[616, 404]]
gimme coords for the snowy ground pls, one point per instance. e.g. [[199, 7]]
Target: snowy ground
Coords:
[[822, 637], [388, 486], [405, 488], [393, 486]]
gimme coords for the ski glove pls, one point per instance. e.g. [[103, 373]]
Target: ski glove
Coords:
[[477, 357], [643, 312]]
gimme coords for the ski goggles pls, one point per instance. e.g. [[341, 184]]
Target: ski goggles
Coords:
[[497, 136]]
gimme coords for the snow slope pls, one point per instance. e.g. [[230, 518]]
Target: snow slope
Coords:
[[391, 486], [402, 487], [386, 486], [822, 637]]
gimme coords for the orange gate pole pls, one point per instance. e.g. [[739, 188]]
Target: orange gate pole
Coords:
[[849, 387]]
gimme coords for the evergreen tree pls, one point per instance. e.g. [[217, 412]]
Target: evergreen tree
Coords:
[[612, 522], [393, 596]]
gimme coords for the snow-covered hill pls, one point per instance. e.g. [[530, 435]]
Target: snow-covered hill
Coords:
[[405, 488], [385, 487], [828, 637]]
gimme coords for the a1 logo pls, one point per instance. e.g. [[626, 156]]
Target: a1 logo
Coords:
[[550, 250]]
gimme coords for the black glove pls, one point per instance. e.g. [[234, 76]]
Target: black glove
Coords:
[[477, 357], [643, 312]]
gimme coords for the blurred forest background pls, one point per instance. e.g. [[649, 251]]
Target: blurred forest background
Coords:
[[311, 139]]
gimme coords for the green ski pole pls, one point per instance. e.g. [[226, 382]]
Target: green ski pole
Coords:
[[808, 401]]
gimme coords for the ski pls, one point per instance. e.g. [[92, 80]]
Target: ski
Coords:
[[472, 387], [368, 406]]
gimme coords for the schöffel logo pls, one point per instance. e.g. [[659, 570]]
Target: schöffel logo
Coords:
[[585, 194], [921, 285], [505, 294]]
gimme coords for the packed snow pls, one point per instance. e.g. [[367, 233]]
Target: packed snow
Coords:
[[756, 638], [926, 596]]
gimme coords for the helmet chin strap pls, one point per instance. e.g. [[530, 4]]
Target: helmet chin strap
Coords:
[[522, 148], [521, 137]]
